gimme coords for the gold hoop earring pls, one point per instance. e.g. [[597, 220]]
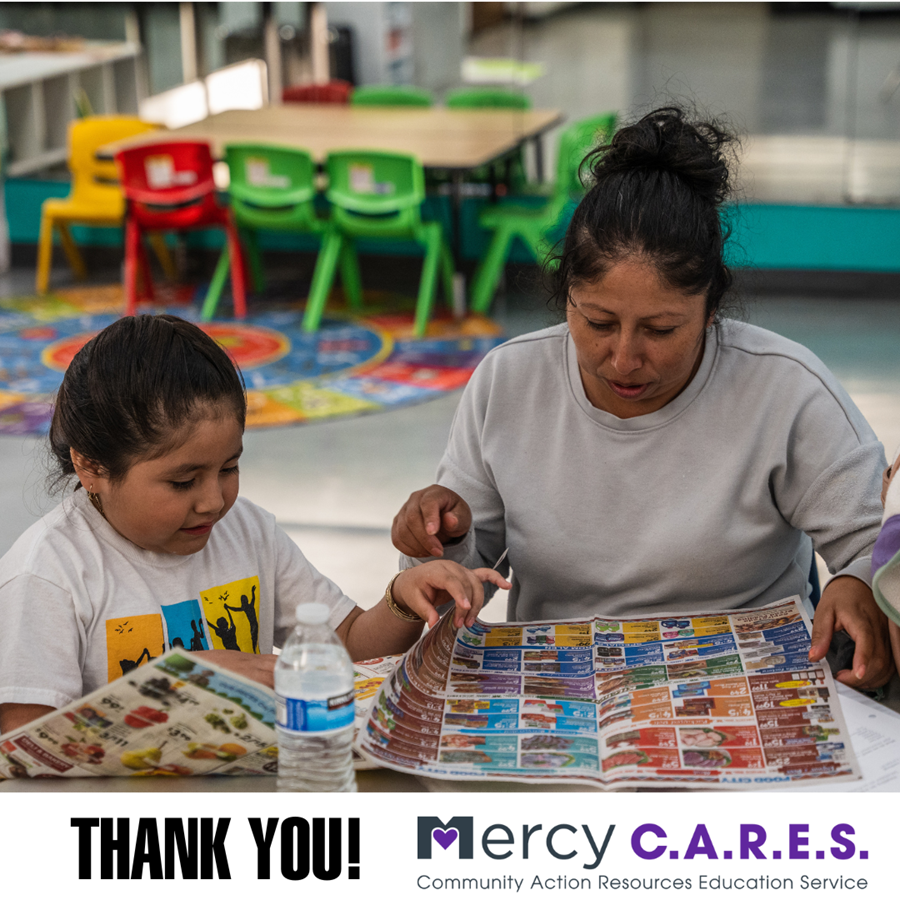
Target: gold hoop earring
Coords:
[[95, 500]]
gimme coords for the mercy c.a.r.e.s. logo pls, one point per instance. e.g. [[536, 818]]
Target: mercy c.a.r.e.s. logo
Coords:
[[457, 832]]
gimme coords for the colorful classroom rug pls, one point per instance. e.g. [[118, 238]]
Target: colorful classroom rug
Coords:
[[349, 367]]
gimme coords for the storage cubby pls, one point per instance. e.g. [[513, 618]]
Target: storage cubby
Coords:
[[39, 90]]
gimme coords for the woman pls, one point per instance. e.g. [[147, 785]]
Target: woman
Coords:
[[648, 455]]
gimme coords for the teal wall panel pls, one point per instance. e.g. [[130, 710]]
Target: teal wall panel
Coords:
[[845, 238], [765, 236]]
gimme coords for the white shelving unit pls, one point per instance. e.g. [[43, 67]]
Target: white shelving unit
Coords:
[[38, 92]]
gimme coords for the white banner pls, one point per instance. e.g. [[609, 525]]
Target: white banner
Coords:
[[450, 845]]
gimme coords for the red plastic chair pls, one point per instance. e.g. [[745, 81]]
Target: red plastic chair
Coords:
[[335, 91], [170, 187]]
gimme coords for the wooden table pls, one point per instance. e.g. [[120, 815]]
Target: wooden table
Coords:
[[375, 780], [441, 138], [452, 140]]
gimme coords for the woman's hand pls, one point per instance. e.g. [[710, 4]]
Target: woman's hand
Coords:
[[432, 584], [847, 605], [429, 519], [256, 666]]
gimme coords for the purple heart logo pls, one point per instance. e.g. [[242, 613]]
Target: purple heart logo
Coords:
[[445, 838]]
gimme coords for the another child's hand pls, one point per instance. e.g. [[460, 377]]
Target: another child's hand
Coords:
[[422, 588], [256, 666]]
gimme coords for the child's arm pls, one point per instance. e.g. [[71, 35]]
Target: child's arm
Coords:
[[15, 715], [380, 632]]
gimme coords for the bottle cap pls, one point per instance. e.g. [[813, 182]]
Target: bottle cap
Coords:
[[312, 613]]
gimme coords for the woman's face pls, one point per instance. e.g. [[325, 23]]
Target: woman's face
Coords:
[[638, 341]]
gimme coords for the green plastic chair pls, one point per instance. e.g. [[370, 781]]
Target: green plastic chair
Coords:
[[390, 95], [272, 188], [376, 194], [486, 98], [493, 98], [532, 224]]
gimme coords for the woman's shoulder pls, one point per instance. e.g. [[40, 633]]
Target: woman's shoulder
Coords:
[[786, 373], [748, 350], [752, 340], [526, 350]]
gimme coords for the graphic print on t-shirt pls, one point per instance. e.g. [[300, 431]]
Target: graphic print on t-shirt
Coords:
[[132, 641], [184, 625], [231, 612]]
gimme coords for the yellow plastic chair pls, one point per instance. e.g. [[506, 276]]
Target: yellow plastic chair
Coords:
[[95, 198]]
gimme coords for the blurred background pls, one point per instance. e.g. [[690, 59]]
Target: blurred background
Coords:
[[826, 73]]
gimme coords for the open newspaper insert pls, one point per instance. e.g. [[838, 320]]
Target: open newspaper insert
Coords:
[[176, 715], [687, 700]]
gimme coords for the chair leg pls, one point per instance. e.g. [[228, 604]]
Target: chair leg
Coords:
[[350, 277], [447, 272], [323, 278], [45, 255], [144, 273], [132, 263], [238, 272], [158, 242], [428, 281], [216, 285], [258, 275], [485, 282], [535, 239], [71, 251]]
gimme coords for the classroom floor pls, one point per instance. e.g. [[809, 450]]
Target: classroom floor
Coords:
[[335, 486]]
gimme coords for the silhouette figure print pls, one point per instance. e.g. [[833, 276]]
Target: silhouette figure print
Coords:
[[225, 631], [248, 608]]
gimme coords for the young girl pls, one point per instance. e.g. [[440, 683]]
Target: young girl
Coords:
[[155, 549]]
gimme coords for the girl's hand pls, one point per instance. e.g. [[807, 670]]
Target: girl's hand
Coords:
[[429, 519], [256, 666], [432, 584]]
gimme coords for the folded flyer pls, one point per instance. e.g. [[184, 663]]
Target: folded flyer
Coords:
[[174, 716], [688, 700]]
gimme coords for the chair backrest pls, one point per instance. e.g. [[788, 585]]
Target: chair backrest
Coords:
[[334, 91], [166, 174], [375, 190], [483, 97], [575, 142], [390, 95], [86, 136], [269, 176]]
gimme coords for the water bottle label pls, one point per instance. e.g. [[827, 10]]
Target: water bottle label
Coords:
[[315, 715]]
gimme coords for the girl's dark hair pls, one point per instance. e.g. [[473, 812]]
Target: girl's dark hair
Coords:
[[655, 192], [134, 384]]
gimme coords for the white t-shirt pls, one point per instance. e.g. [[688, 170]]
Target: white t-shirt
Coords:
[[81, 605]]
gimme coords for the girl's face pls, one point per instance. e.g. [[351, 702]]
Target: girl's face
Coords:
[[638, 341], [170, 504]]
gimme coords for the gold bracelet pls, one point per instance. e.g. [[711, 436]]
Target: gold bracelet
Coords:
[[394, 608]]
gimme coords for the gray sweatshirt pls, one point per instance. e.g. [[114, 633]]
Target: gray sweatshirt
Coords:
[[702, 505]]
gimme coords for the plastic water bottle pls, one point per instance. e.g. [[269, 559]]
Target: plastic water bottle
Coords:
[[314, 707]]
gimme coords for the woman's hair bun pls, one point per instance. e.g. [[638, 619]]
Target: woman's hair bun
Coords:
[[665, 141]]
